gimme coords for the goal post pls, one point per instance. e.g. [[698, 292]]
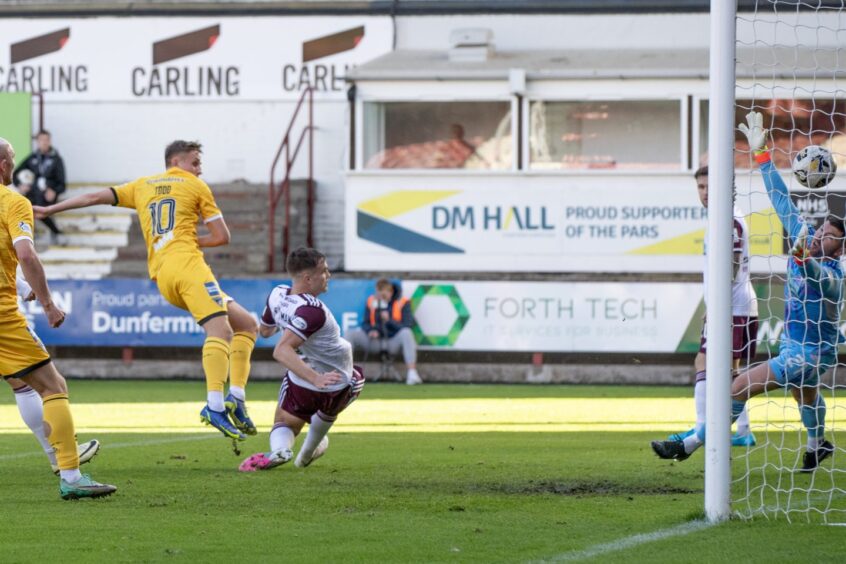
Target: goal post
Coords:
[[720, 227], [784, 60]]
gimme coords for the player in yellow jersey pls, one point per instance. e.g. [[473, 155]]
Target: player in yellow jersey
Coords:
[[32, 409], [22, 355], [169, 206]]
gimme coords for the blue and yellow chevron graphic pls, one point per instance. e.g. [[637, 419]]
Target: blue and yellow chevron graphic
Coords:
[[373, 224]]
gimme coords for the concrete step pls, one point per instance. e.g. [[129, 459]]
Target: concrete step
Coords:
[[96, 239], [58, 254], [91, 222], [129, 268], [77, 271]]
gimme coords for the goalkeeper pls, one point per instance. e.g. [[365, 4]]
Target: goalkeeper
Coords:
[[680, 446], [813, 301]]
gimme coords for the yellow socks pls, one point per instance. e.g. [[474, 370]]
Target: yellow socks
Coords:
[[239, 359], [60, 430], [216, 368]]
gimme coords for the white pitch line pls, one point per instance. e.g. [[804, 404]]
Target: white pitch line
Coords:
[[678, 530], [631, 542], [109, 446]]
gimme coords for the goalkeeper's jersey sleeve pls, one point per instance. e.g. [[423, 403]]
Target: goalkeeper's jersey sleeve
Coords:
[[813, 291]]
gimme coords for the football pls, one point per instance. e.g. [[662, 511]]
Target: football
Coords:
[[814, 166]]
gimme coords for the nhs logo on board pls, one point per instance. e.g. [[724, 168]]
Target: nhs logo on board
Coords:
[[492, 218]]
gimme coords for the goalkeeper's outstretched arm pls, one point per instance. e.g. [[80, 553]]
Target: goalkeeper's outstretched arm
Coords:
[[787, 211]]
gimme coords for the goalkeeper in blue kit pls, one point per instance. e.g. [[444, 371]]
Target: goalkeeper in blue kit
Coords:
[[813, 301]]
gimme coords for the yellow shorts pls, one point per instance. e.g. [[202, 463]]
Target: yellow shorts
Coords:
[[191, 285], [21, 351]]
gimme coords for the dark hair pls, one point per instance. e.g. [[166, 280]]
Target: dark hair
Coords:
[[302, 259], [701, 171], [42, 132], [383, 283], [179, 146], [837, 223]]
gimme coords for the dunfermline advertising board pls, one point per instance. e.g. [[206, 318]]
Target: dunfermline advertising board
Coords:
[[637, 317]]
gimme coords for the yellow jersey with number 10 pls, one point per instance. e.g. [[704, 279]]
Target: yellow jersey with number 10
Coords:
[[169, 205]]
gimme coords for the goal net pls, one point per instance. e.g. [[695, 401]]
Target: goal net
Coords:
[[791, 67]]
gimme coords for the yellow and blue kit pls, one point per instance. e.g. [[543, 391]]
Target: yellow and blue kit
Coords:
[[169, 205]]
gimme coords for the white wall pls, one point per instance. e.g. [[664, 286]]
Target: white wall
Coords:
[[109, 136]]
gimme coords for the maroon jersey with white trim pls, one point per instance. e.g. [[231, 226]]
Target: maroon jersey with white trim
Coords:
[[308, 318]]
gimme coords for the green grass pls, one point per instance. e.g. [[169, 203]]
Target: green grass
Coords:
[[442, 492]]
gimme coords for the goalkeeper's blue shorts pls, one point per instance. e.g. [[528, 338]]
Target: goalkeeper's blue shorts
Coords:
[[797, 366]]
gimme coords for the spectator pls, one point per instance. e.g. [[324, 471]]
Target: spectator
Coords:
[[41, 178], [386, 327]]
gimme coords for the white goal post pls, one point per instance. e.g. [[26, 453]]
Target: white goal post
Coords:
[[720, 223]]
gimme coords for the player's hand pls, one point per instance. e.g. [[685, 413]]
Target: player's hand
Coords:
[[754, 132], [40, 212], [328, 379], [30, 296], [799, 250], [55, 316], [373, 335]]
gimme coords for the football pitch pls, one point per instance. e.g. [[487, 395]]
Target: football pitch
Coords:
[[436, 473]]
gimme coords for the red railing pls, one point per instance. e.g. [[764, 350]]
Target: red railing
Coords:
[[284, 187]]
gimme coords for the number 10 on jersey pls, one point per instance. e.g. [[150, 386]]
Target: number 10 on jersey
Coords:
[[163, 215]]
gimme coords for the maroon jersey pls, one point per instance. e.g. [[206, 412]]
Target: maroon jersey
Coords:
[[308, 318]]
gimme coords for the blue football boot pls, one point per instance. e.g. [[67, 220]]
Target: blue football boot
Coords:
[[747, 440], [237, 411], [220, 421]]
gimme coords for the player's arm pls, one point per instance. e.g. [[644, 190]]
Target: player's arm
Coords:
[[267, 324], [23, 289], [787, 211], [818, 277], [286, 353], [218, 234], [101, 197], [34, 273]]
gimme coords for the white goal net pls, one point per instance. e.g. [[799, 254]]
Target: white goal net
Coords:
[[791, 67]]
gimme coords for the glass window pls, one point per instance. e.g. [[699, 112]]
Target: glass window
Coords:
[[793, 124], [456, 135], [633, 134]]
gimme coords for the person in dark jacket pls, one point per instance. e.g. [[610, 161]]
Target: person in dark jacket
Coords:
[[386, 327], [41, 177]]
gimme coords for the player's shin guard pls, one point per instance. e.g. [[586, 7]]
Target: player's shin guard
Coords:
[[813, 417], [60, 430], [216, 364], [243, 344]]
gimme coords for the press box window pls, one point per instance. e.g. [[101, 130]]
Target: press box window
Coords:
[[437, 135], [617, 135]]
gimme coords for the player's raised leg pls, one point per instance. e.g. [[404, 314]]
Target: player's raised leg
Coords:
[[216, 352], [245, 328]]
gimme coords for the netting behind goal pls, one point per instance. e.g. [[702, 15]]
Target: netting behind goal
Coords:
[[791, 67]]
